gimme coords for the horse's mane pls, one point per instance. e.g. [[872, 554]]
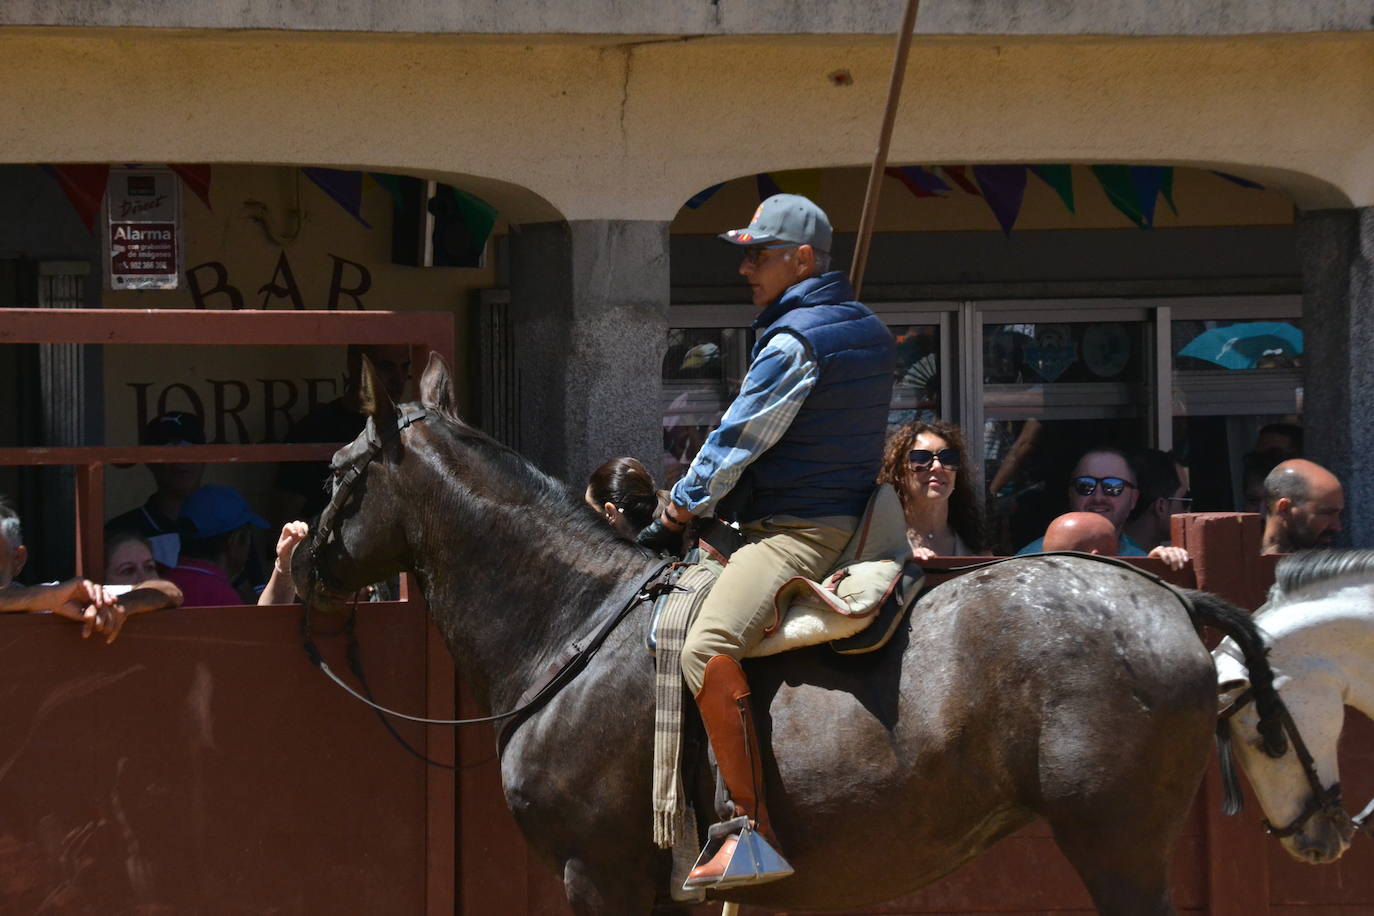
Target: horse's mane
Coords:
[[1300, 572], [541, 495]]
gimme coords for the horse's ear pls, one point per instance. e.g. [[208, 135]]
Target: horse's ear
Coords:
[[436, 385], [373, 399]]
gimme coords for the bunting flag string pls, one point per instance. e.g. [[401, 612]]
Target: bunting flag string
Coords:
[[1059, 178], [1004, 189], [84, 186], [955, 173], [197, 179], [919, 181], [345, 187]]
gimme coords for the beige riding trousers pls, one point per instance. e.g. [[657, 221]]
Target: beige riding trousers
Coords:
[[740, 606]]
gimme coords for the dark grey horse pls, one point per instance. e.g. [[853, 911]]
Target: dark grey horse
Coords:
[[1051, 687]]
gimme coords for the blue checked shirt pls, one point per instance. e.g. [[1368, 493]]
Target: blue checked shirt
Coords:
[[777, 383]]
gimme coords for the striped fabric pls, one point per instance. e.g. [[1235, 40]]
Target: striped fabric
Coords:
[[681, 605]]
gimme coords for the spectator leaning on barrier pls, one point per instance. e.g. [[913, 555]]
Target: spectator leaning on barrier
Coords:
[[98, 608]]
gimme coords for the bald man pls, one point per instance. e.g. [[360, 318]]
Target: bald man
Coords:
[[1303, 502], [1089, 532]]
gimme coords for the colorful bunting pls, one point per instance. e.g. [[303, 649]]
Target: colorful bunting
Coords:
[[1120, 190], [1058, 177], [390, 184], [1004, 189], [345, 187], [700, 197], [1166, 187], [84, 186], [197, 178], [955, 173], [1147, 181], [919, 181]]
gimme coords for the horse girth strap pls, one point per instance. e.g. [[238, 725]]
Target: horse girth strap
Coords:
[[568, 663]]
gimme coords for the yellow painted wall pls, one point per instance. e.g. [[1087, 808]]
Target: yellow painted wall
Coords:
[[615, 129]]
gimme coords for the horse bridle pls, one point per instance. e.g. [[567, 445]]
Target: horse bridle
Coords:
[[1320, 799], [566, 666]]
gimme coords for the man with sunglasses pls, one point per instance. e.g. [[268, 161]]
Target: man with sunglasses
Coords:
[[1104, 482], [797, 454]]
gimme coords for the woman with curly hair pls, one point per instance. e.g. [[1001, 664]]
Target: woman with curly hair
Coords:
[[927, 463]]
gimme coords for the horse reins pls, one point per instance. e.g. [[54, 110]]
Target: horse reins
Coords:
[[564, 668], [1320, 799]]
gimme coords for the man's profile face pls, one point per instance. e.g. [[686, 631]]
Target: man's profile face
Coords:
[[1115, 508], [1315, 521], [770, 271], [393, 368]]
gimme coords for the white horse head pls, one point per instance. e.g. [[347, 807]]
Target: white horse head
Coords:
[[1320, 624]]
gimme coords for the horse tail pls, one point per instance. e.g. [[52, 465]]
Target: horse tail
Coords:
[[1236, 623]]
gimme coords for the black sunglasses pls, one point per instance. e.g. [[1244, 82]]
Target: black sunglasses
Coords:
[[1112, 486], [923, 458]]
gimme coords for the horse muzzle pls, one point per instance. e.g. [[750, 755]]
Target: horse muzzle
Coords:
[[1323, 840]]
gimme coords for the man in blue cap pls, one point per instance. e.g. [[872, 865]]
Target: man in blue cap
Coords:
[[216, 547], [794, 461]]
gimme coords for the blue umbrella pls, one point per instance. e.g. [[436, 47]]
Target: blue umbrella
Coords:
[[1240, 346]]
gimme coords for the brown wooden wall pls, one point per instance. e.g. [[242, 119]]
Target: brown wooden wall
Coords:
[[201, 765]]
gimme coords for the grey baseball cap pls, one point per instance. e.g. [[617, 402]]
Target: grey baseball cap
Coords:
[[788, 218]]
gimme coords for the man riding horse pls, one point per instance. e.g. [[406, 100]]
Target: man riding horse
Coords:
[[797, 454]]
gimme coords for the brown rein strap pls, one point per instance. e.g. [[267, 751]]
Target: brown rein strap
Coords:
[[567, 665]]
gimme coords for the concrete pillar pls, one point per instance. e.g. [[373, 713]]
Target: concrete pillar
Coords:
[[1336, 250], [589, 325]]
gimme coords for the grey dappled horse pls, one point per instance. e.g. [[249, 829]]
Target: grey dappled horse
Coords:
[[1052, 687]]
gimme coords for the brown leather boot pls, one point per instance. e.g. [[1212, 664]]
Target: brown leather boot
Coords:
[[728, 717]]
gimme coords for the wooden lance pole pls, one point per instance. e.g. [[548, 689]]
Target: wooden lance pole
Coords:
[[875, 176]]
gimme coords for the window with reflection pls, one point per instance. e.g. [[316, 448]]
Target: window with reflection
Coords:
[[916, 382], [702, 372], [1051, 390]]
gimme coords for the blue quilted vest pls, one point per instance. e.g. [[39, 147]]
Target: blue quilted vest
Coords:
[[827, 461]]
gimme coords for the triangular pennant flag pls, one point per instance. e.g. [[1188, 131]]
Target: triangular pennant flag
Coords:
[[391, 184], [345, 187], [806, 182], [1004, 188], [1236, 179], [1058, 177], [462, 225], [1146, 180], [956, 174], [1116, 183], [197, 178], [84, 186], [919, 181], [1166, 187], [767, 186], [700, 197]]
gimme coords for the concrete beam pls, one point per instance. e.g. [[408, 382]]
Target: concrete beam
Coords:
[[1336, 248], [708, 17]]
